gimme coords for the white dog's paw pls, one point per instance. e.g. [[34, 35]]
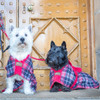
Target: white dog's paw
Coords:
[[8, 91], [29, 92]]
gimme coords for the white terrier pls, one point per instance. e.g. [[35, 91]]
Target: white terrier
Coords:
[[20, 67]]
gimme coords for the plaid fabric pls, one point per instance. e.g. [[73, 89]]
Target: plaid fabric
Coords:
[[67, 78], [86, 81], [26, 72], [2, 27], [1, 23]]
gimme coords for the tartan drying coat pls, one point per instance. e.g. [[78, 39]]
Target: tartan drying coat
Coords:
[[1, 23], [24, 69], [2, 28], [72, 77]]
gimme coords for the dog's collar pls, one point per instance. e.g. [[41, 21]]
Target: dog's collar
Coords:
[[21, 60]]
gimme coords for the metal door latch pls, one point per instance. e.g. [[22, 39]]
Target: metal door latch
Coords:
[[30, 7]]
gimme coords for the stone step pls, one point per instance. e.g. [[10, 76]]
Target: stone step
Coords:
[[89, 94]]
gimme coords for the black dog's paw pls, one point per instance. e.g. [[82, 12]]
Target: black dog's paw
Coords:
[[65, 89], [54, 90], [55, 87]]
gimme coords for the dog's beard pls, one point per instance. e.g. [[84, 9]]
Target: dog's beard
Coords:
[[22, 45], [20, 51]]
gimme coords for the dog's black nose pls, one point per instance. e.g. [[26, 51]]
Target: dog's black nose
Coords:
[[22, 40]]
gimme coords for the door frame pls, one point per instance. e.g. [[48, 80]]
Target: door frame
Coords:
[[92, 37]]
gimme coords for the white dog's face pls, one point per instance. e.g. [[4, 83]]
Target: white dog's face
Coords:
[[21, 40]]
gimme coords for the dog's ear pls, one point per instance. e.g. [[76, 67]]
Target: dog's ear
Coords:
[[30, 27], [52, 44], [63, 45], [11, 28]]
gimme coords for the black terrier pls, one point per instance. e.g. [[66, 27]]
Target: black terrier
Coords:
[[57, 58], [64, 76]]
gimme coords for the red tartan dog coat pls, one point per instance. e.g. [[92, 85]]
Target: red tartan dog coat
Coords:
[[24, 69], [72, 77]]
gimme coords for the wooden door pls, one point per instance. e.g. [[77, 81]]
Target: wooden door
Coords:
[[57, 20]]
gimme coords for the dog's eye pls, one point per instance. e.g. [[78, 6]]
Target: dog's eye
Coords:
[[25, 34], [17, 35]]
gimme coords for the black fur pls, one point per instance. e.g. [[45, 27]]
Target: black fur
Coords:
[[58, 86], [57, 58]]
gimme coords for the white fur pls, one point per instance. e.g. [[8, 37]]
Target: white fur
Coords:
[[20, 52]]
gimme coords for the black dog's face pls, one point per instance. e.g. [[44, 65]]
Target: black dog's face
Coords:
[[57, 56]]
